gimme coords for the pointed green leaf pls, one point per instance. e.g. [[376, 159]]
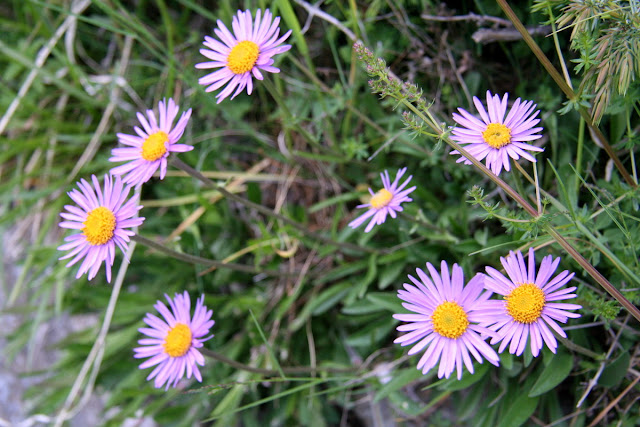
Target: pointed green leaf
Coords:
[[615, 371], [519, 412], [553, 374]]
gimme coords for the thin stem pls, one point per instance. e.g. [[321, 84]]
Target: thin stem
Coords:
[[534, 182], [272, 372], [593, 272], [557, 77], [579, 349], [580, 147], [556, 42], [631, 149], [582, 261], [268, 346], [193, 259], [535, 176], [505, 219], [304, 229]]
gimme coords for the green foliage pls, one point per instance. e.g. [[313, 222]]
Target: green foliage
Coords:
[[606, 35], [304, 303]]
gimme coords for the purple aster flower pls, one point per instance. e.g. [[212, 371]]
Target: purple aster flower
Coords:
[[242, 54], [175, 341], [495, 137], [386, 201], [446, 319], [103, 218], [148, 151], [529, 307]]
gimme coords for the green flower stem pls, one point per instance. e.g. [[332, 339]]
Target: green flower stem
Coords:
[[168, 25], [505, 219], [272, 372], [557, 77], [579, 149], [537, 184], [631, 150], [607, 252], [579, 349], [300, 227], [517, 180], [533, 181], [556, 42], [193, 259], [593, 272], [594, 240]]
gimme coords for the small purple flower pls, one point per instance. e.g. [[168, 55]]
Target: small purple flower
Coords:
[[529, 306], [386, 201], [174, 341], [497, 138], [149, 150], [103, 221], [242, 54], [446, 320]]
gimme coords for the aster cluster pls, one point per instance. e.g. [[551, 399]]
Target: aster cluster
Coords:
[[453, 320], [450, 320], [103, 222], [105, 215]]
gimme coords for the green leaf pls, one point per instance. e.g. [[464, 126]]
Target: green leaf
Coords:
[[615, 371], [321, 303], [467, 378], [414, 408], [372, 272], [329, 298], [385, 301], [389, 274], [553, 374], [519, 411], [506, 361], [291, 20], [400, 379]]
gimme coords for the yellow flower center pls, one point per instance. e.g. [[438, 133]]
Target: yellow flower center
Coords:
[[450, 320], [497, 135], [178, 340], [525, 303], [243, 57], [381, 199], [153, 147], [99, 226]]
